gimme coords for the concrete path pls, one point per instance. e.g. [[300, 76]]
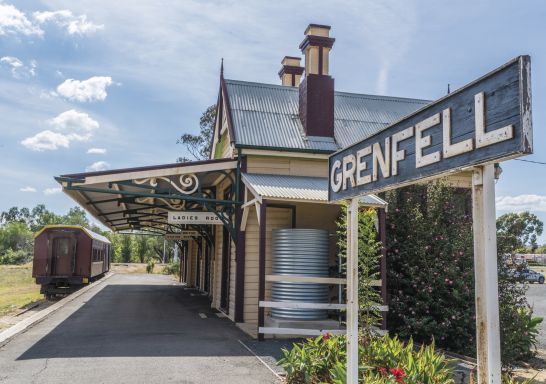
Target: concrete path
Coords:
[[132, 329], [536, 295]]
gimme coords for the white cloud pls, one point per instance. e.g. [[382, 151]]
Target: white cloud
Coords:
[[68, 126], [18, 68], [46, 140], [97, 166], [92, 89], [521, 203], [74, 25], [77, 126], [96, 151], [52, 191], [28, 189], [13, 21]]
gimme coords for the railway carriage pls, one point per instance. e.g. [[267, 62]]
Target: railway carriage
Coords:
[[67, 257]]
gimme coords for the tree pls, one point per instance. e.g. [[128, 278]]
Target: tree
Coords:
[[517, 231], [143, 247], [75, 216], [199, 146], [126, 248], [41, 217]]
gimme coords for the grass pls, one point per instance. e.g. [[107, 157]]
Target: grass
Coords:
[[17, 287]]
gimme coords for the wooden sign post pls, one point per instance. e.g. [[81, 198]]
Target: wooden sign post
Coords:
[[352, 291], [485, 273], [484, 122]]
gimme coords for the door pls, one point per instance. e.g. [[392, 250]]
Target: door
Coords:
[[62, 252]]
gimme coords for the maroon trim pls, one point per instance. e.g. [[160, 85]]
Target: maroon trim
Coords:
[[228, 107], [293, 80], [148, 168], [382, 219], [219, 117], [240, 256], [317, 41], [261, 267]]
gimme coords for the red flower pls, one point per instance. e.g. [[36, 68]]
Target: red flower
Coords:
[[326, 336], [383, 371], [398, 374]]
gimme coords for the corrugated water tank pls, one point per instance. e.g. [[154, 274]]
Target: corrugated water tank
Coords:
[[300, 252]]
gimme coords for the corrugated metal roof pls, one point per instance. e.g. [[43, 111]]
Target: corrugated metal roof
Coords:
[[296, 188], [266, 115]]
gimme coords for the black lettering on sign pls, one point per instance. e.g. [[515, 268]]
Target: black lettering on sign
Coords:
[[486, 121]]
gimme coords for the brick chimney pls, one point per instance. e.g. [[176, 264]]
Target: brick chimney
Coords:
[[291, 71], [316, 107]]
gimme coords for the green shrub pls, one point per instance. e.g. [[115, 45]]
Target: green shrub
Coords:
[[172, 268], [20, 256], [430, 278], [150, 266], [369, 257], [381, 359]]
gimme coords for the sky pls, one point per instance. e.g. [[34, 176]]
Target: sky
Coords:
[[94, 84]]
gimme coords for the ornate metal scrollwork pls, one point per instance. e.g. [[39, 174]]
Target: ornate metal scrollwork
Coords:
[[187, 183]]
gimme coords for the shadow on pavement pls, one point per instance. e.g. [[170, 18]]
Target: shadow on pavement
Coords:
[[141, 320]]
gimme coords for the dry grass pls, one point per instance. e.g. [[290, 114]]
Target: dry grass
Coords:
[[134, 268], [17, 288]]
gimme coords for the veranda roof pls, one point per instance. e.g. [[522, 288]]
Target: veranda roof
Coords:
[[297, 188], [140, 198]]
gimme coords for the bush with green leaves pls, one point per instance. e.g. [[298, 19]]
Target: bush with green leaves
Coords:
[[368, 264], [382, 360], [431, 273], [173, 268], [150, 266]]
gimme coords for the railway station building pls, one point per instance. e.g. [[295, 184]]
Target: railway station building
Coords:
[[268, 171]]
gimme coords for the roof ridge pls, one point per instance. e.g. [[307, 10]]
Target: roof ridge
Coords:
[[340, 93]]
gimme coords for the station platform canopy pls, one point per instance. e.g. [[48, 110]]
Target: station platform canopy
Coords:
[[140, 198]]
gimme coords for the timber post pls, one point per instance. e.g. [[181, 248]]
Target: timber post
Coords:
[[352, 291], [486, 275]]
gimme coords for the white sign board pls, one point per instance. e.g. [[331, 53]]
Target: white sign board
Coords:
[[183, 235], [194, 218]]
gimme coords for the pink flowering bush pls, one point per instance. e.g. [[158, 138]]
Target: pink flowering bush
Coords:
[[430, 266]]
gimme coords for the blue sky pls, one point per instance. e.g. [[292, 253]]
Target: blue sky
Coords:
[[123, 79]]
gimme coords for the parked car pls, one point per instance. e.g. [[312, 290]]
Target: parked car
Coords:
[[529, 275]]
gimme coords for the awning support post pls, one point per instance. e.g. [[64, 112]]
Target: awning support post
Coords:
[[486, 275], [352, 291]]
